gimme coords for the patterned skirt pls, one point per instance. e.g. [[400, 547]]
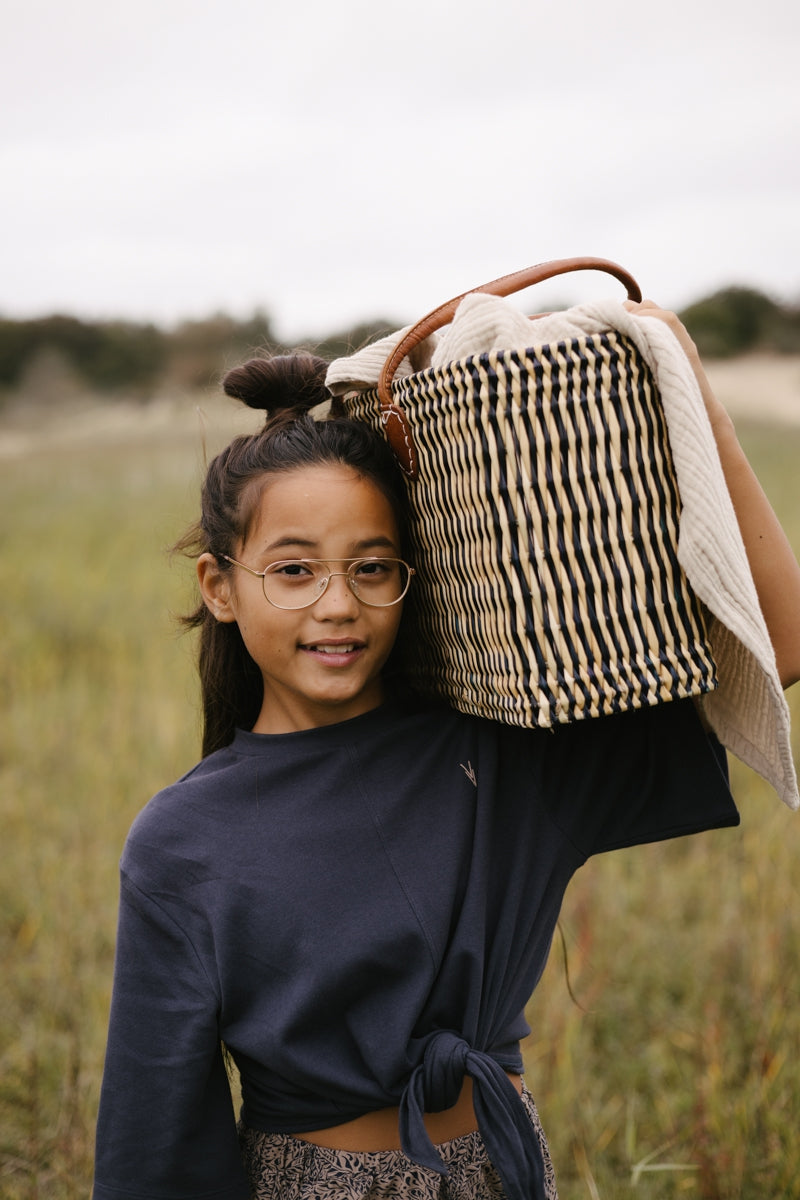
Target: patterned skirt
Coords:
[[281, 1167]]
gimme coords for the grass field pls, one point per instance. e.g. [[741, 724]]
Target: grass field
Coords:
[[674, 1072]]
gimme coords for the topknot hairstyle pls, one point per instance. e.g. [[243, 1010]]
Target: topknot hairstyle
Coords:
[[286, 387], [287, 383]]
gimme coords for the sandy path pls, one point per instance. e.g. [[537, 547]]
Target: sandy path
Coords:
[[759, 387]]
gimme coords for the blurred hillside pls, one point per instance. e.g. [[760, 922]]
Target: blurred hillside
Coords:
[[49, 359]]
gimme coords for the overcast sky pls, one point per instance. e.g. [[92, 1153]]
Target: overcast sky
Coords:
[[335, 160]]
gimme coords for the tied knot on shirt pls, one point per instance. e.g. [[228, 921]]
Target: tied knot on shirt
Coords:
[[508, 1134]]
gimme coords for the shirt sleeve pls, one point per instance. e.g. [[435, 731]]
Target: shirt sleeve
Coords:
[[166, 1125], [641, 776]]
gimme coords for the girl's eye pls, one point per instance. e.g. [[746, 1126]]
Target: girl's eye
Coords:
[[291, 570], [375, 569]]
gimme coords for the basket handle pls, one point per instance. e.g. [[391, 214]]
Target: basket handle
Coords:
[[393, 418]]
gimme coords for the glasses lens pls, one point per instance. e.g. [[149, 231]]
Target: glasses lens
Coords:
[[379, 581], [294, 584]]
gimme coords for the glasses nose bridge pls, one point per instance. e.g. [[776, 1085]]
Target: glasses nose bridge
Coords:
[[350, 588]]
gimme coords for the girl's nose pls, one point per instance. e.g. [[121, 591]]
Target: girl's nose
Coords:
[[337, 598]]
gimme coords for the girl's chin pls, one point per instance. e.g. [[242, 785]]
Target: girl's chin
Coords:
[[326, 706]]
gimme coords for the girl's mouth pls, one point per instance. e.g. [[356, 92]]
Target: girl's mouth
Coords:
[[334, 653], [328, 648]]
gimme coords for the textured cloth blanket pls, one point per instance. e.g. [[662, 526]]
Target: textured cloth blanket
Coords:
[[748, 711]]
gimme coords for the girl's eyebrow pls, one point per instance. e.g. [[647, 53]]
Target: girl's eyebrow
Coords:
[[362, 547], [289, 540], [376, 543]]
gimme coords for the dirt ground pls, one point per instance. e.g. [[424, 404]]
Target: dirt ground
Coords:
[[759, 387]]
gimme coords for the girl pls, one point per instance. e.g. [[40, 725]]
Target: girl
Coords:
[[353, 894]]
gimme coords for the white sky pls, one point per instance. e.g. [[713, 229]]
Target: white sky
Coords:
[[335, 160]]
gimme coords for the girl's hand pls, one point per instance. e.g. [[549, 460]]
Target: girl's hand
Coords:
[[775, 569], [716, 413]]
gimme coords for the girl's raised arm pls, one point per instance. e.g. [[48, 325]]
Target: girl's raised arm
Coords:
[[775, 569]]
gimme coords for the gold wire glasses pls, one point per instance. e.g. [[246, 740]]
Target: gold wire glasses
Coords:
[[299, 582]]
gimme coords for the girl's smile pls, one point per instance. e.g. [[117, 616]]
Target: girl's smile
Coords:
[[335, 653], [322, 663]]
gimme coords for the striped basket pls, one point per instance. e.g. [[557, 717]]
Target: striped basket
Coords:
[[544, 529]]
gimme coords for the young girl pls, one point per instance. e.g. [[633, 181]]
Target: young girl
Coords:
[[354, 892]]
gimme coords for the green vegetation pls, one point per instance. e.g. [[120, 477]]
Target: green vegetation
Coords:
[[739, 320], [110, 358], [39, 356], [104, 356], [677, 1074]]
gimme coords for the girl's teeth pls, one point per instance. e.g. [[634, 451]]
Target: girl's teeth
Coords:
[[334, 649]]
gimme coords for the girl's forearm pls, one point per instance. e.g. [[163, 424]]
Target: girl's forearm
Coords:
[[774, 567]]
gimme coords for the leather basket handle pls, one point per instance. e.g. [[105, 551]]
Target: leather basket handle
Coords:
[[392, 416]]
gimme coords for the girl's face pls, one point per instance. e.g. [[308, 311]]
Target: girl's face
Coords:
[[320, 664]]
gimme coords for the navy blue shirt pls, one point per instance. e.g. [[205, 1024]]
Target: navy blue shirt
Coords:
[[360, 912]]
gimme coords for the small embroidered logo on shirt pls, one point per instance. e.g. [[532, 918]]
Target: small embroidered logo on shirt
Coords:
[[469, 771]]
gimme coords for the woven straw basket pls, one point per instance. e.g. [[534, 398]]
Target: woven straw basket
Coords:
[[544, 526]]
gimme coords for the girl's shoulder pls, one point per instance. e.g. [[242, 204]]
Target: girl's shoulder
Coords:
[[178, 821]]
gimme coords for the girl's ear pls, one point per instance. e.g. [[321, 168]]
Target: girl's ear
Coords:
[[215, 588]]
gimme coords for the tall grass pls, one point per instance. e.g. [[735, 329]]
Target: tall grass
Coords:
[[665, 1056], [677, 1072]]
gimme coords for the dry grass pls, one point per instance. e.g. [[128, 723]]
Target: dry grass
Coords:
[[679, 1074]]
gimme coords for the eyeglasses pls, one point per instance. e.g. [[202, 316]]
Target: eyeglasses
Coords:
[[299, 582]]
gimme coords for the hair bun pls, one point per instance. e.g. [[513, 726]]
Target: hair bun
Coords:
[[285, 383]]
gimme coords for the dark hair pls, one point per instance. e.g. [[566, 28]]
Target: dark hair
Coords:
[[287, 386]]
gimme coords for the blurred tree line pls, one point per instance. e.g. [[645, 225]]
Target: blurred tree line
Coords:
[[49, 357]]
